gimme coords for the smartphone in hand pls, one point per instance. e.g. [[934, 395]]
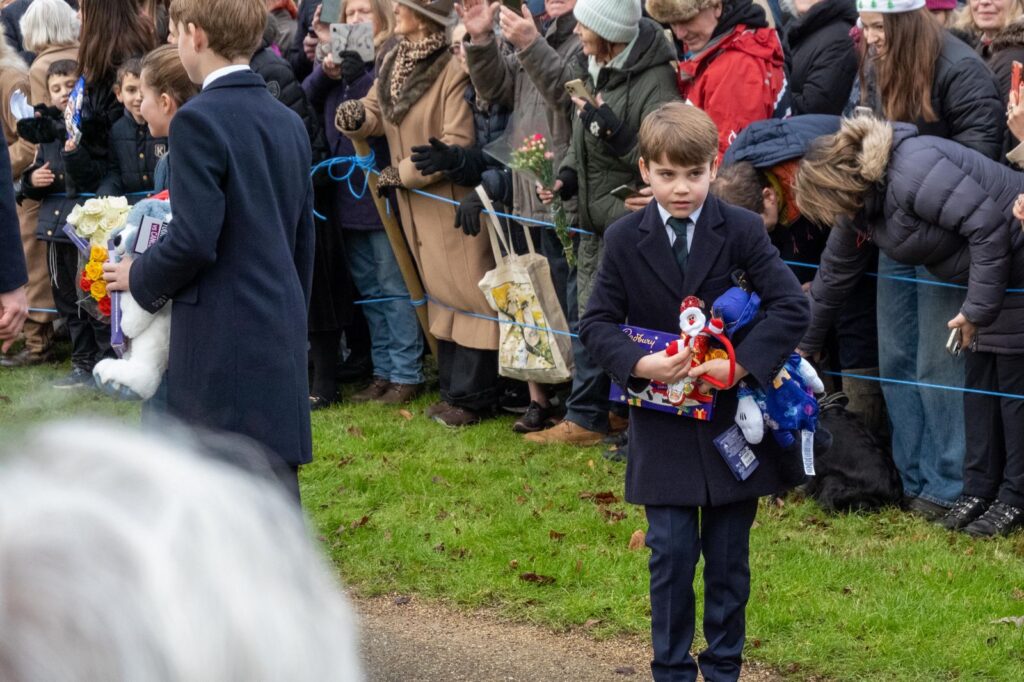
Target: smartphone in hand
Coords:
[[576, 88]]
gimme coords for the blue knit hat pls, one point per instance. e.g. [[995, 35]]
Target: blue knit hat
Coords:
[[617, 21]]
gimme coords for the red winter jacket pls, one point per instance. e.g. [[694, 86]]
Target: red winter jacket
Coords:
[[737, 79]]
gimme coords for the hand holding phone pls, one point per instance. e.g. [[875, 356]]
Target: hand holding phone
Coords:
[[577, 89]]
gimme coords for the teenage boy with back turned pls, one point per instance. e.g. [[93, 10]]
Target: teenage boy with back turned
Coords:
[[689, 243], [237, 258]]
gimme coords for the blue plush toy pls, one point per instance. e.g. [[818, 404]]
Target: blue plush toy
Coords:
[[788, 405]]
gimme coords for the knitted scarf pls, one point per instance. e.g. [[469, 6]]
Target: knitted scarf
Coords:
[[407, 55]]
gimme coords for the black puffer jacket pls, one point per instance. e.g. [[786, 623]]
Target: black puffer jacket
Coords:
[[1006, 48], [134, 154], [965, 98], [820, 57], [949, 209], [287, 89], [58, 199]]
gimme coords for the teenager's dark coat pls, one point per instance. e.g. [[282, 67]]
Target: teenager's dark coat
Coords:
[[965, 99], [673, 460], [12, 259], [237, 261], [820, 57], [134, 154]]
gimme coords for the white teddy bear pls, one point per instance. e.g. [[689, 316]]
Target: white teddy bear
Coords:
[[137, 375]]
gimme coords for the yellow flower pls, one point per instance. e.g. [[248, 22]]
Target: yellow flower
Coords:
[[98, 290], [93, 270], [98, 254]]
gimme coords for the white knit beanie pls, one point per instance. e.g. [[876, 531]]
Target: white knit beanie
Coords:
[[889, 6], [617, 21]]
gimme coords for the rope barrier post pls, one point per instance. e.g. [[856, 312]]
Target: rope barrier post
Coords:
[[405, 262]]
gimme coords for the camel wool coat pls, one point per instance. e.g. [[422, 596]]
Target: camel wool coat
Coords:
[[450, 262], [22, 153]]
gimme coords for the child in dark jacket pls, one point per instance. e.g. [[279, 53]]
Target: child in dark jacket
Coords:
[[47, 182], [686, 243], [134, 151]]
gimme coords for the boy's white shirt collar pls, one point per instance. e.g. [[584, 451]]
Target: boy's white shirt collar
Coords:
[[694, 217], [223, 71]]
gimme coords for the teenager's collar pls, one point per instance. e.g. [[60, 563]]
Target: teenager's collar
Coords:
[[223, 71]]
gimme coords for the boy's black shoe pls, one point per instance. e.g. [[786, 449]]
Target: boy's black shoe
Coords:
[[79, 378], [929, 511], [965, 511], [618, 447], [1001, 519], [318, 402], [536, 418], [514, 397]]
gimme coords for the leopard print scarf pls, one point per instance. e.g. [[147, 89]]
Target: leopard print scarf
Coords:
[[407, 55]]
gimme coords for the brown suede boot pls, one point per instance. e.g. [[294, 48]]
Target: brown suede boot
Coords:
[[375, 391], [398, 394], [565, 432]]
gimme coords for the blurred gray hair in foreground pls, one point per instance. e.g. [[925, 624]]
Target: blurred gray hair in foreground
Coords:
[[125, 557]]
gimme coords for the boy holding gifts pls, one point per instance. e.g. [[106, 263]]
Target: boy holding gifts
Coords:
[[237, 258], [47, 182], [688, 243]]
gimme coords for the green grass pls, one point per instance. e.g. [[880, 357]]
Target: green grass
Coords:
[[403, 505]]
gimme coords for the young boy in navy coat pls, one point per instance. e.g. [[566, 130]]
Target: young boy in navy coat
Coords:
[[237, 258], [693, 501]]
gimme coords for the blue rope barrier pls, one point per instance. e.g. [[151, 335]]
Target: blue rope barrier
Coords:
[[899, 278], [350, 164]]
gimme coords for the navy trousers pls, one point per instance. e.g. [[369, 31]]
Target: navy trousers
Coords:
[[677, 536]]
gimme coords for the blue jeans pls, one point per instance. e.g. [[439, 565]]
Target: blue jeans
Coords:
[[928, 440], [396, 342], [587, 404]]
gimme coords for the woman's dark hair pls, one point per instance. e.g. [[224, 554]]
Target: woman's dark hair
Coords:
[[112, 31], [905, 72]]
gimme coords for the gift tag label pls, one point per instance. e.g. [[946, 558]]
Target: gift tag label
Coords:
[[807, 451], [150, 230], [737, 453]]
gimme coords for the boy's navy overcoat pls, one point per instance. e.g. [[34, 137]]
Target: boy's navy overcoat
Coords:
[[672, 459], [237, 261]]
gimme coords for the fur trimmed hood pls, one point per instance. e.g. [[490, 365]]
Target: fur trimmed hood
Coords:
[[876, 144], [419, 81], [1011, 36], [671, 11]]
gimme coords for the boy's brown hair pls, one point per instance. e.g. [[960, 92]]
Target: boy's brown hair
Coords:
[[131, 67], [163, 71], [741, 185], [679, 134], [234, 28]]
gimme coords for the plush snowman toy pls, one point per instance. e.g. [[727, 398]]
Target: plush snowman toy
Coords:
[[137, 375]]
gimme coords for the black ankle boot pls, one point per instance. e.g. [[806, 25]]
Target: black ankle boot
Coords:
[[1001, 519], [965, 511]]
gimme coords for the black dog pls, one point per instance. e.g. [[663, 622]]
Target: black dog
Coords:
[[854, 471]]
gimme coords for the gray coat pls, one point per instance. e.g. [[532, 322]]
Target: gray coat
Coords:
[[950, 209], [531, 84]]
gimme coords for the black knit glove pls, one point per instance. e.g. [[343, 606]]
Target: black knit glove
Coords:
[[602, 123], [570, 183], [437, 157], [352, 66], [46, 126], [350, 116], [388, 179], [468, 214]]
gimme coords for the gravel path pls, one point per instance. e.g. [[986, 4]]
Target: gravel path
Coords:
[[405, 640]]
